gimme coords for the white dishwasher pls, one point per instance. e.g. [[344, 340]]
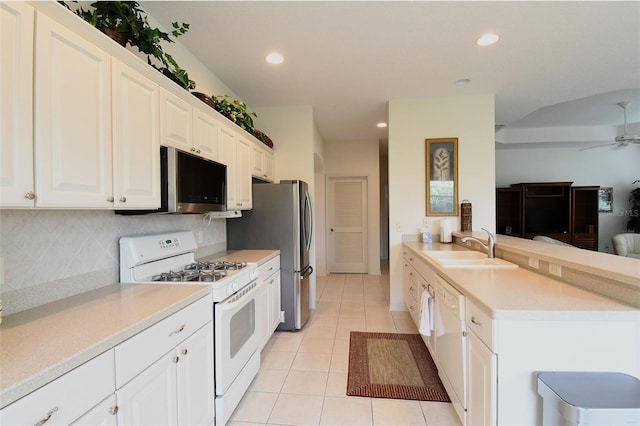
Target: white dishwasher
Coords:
[[452, 350]]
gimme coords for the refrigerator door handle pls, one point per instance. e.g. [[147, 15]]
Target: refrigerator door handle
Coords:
[[308, 231], [306, 272]]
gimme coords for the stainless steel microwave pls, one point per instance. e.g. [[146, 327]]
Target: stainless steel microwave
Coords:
[[189, 184]]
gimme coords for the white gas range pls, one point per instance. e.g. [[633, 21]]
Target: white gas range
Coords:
[[170, 259]]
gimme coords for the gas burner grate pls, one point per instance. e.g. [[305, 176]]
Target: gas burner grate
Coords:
[[190, 274]]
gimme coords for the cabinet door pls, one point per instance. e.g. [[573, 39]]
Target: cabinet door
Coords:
[[227, 155], [16, 117], [243, 174], [275, 303], [150, 398], [196, 390], [136, 143], [482, 383], [205, 135], [257, 161], [72, 116], [103, 414], [263, 315], [175, 121], [269, 164]]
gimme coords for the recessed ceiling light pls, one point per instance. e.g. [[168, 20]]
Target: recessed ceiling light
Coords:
[[382, 125], [462, 81], [274, 58], [487, 39]]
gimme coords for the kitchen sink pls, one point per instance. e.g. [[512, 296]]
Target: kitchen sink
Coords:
[[467, 259]]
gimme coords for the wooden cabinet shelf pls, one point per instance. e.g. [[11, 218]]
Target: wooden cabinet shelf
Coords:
[[554, 209]]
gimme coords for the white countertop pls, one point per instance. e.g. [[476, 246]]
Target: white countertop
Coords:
[[255, 256], [520, 294], [41, 344]]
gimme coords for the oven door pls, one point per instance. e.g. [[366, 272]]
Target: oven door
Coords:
[[236, 335]]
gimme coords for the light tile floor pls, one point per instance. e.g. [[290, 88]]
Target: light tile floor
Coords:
[[303, 375]]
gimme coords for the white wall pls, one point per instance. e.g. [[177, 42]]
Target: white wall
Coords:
[[411, 121], [606, 167], [320, 202], [360, 158]]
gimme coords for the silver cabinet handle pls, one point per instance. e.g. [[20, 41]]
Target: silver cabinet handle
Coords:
[[113, 410], [178, 330], [197, 151], [123, 199], [476, 322], [193, 150], [176, 359], [184, 351], [411, 308], [30, 195], [110, 199], [47, 417]]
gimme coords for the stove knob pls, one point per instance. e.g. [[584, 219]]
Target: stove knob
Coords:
[[230, 290], [235, 286]]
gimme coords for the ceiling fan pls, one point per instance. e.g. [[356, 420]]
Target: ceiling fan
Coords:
[[625, 138]]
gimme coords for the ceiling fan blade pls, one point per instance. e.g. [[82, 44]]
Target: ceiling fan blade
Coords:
[[598, 146]]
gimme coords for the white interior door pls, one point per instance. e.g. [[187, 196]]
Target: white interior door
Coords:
[[347, 225]]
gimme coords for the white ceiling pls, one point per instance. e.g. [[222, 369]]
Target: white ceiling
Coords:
[[556, 64]]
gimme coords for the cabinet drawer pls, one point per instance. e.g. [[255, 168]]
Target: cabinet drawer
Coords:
[[481, 323], [269, 268], [66, 398], [141, 350], [420, 265]]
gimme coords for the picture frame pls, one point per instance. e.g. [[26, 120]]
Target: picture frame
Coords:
[[441, 166], [605, 200]]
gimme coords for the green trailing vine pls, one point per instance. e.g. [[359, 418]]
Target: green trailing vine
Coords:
[[127, 23]]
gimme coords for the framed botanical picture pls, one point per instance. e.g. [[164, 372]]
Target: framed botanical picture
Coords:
[[442, 176], [605, 200]]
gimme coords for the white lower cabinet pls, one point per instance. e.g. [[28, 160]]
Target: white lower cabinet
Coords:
[[481, 383], [175, 390], [270, 306], [68, 397], [164, 374]]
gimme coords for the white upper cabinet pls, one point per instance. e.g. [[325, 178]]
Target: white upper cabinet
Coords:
[[227, 141], [82, 120], [189, 128], [205, 134], [72, 119], [261, 162], [136, 142], [176, 117], [16, 118], [243, 174]]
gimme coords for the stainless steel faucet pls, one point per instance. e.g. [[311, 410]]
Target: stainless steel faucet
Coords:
[[490, 247]]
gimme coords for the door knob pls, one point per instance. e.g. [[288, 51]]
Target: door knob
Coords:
[[331, 229]]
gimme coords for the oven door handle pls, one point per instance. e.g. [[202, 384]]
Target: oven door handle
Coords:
[[235, 301]]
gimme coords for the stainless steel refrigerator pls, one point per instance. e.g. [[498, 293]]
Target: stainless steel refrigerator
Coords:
[[281, 219]]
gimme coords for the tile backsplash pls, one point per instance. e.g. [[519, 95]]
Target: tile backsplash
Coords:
[[50, 254]]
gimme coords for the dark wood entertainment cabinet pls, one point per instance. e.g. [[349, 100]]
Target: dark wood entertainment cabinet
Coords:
[[555, 209]]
